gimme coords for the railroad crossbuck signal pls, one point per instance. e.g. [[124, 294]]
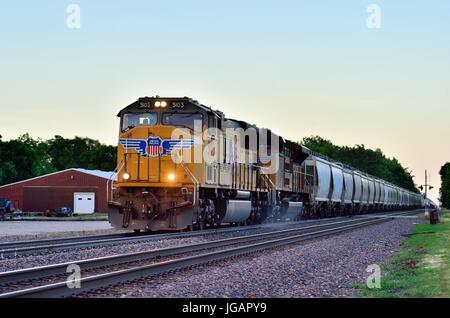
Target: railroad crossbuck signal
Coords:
[[154, 192]]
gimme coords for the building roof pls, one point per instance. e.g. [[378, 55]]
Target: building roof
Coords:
[[96, 173]]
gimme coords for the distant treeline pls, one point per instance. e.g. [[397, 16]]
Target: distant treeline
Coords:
[[445, 186], [369, 161], [25, 157]]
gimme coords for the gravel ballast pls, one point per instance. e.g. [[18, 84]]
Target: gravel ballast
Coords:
[[74, 254], [325, 267]]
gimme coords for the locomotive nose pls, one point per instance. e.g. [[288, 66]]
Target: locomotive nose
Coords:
[[146, 156]]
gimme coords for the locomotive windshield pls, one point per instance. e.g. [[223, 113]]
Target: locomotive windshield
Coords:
[[130, 121], [182, 119]]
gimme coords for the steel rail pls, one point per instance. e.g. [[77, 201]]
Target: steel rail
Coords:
[[15, 249], [60, 289], [37, 243], [112, 278], [59, 269]]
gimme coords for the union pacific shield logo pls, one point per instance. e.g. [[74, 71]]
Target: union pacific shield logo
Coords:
[[155, 146]]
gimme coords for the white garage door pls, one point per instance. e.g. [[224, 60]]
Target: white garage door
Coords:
[[84, 203]]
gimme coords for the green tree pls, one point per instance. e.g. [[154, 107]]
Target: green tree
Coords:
[[445, 185], [25, 157], [320, 145], [7, 172], [81, 153]]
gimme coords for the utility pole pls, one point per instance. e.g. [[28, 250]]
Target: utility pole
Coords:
[[426, 187]]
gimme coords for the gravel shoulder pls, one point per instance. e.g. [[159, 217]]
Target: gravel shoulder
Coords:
[[326, 267]]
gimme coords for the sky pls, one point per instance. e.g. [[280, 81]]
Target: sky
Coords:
[[300, 67]]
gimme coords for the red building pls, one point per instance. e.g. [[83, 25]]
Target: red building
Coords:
[[84, 191]]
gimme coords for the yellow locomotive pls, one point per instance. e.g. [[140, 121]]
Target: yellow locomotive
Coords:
[[183, 165], [165, 182]]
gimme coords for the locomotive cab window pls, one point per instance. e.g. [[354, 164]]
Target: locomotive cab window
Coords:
[[130, 121], [186, 120]]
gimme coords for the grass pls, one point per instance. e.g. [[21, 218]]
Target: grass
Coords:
[[421, 269], [81, 217], [92, 216]]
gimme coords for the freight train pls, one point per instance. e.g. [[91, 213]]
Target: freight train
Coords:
[[183, 165]]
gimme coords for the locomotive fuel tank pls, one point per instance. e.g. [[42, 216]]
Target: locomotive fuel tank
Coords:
[[237, 211], [294, 211]]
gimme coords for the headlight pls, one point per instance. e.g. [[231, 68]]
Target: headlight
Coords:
[[163, 104], [171, 177], [126, 176], [157, 104]]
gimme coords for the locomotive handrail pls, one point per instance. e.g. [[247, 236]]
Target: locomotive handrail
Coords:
[[265, 176], [272, 185], [195, 180], [116, 171]]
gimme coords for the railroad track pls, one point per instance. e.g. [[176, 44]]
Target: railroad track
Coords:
[[50, 281], [15, 249], [45, 242], [26, 248], [36, 247]]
